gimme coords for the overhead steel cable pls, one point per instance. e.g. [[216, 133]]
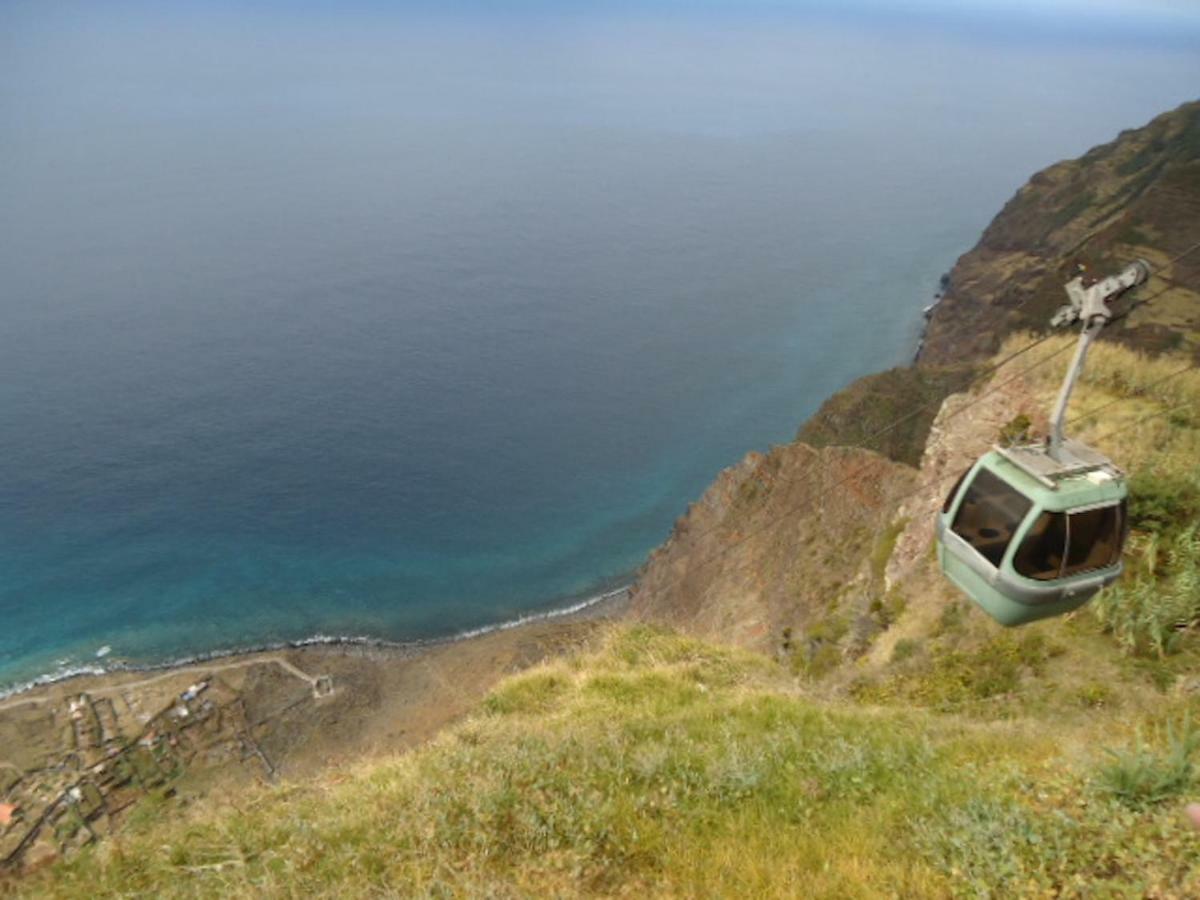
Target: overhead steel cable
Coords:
[[1158, 413], [799, 507], [975, 379], [894, 502], [1105, 436], [979, 376], [811, 478], [1173, 282], [809, 501]]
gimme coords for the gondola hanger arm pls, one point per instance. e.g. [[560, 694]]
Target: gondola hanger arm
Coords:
[[1089, 305]]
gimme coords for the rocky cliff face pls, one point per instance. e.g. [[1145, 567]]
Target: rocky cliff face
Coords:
[[1136, 196], [814, 550], [777, 545]]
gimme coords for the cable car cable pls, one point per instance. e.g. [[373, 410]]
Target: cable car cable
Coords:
[[790, 511], [1025, 349], [894, 503], [895, 423], [1035, 530], [1108, 434], [805, 481]]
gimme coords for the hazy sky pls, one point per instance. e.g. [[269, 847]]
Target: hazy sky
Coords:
[[1075, 24], [1080, 12]]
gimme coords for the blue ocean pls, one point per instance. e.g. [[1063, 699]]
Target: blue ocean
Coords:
[[348, 320]]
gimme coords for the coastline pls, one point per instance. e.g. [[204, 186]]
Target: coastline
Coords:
[[606, 604], [204, 729]]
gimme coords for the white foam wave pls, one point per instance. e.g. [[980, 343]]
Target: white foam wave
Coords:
[[67, 669], [541, 616]]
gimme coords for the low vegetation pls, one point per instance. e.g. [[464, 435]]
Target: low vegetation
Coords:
[[1156, 607], [1142, 775], [659, 764], [951, 678]]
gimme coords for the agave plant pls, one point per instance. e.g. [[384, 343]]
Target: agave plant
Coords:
[[1150, 612]]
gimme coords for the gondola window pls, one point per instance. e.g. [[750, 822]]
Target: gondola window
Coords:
[[1062, 544], [989, 514]]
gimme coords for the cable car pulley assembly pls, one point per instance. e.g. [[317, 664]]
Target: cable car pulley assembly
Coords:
[[1036, 530]]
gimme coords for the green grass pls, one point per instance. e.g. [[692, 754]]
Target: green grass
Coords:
[[953, 677], [905, 648], [1163, 503], [1068, 212], [659, 765], [1143, 775], [885, 543]]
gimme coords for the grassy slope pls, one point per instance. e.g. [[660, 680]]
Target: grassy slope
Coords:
[[975, 762], [658, 763]]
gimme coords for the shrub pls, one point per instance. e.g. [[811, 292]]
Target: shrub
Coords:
[[985, 845], [1162, 503], [819, 660], [884, 545], [905, 648], [786, 644], [1057, 838], [1143, 776], [1016, 431], [887, 609], [536, 692], [1095, 695], [951, 620], [1148, 615], [952, 678], [829, 630]]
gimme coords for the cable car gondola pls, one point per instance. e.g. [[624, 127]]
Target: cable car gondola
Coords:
[[1035, 531]]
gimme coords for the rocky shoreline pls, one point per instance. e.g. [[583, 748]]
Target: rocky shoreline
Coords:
[[595, 605]]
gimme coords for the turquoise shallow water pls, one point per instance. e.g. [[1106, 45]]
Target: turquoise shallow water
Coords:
[[397, 328]]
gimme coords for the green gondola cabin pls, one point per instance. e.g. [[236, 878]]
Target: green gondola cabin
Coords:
[[1036, 531], [1026, 537]]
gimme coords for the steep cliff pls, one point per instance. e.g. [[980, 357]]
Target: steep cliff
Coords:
[[888, 412], [817, 552], [777, 544]]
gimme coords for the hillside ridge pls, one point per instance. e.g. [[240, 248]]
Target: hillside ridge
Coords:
[[1135, 196]]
